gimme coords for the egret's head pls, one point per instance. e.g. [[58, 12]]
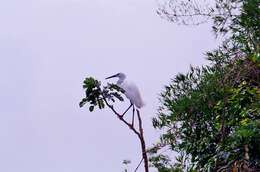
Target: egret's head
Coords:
[[120, 75]]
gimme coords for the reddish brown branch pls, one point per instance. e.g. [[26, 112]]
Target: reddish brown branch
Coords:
[[144, 153], [139, 164], [139, 133], [121, 118]]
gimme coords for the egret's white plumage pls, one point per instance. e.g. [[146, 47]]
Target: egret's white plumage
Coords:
[[131, 90]]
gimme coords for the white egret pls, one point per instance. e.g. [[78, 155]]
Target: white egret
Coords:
[[131, 91]]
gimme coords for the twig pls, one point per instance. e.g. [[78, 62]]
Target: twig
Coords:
[[127, 109], [141, 137], [139, 133], [139, 165], [122, 119]]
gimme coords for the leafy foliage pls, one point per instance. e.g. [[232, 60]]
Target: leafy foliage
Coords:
[[126, 162], [95, 95], [227, 15], [208, 120], [212, 113]]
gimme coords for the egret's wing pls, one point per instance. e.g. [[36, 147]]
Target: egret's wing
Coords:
[[132, 92]]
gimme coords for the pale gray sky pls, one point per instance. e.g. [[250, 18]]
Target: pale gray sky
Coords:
[[47, 48]]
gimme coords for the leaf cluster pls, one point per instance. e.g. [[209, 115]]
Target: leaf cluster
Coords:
[[96, 95], [205, 116], [212, 112]]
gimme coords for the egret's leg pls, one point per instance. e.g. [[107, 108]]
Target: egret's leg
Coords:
[[127, 109], [133, 117]]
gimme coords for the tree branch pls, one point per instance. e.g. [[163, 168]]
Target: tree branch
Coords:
[[139, 165], [121, 118], [139, 133], [141, 137]]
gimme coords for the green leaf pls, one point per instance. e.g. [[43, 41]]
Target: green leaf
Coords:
[[83, 102], [91, 108]]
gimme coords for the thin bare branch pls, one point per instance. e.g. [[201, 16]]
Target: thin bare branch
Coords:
[[122, 119], [131, 126], [139, 165]]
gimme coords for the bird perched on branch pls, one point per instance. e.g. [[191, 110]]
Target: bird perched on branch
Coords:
[[131, 90]]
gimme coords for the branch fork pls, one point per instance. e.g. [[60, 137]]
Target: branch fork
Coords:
[[139, 132]]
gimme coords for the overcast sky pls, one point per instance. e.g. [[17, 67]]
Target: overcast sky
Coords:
[[48, 47]]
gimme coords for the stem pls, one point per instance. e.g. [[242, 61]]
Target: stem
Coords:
[[139, 133], [127, 109], [141, 137], [139, 165]]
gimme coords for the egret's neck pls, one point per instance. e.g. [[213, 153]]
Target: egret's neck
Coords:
[[120, 81]]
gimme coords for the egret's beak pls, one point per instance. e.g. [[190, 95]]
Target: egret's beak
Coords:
[[116, 75]]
